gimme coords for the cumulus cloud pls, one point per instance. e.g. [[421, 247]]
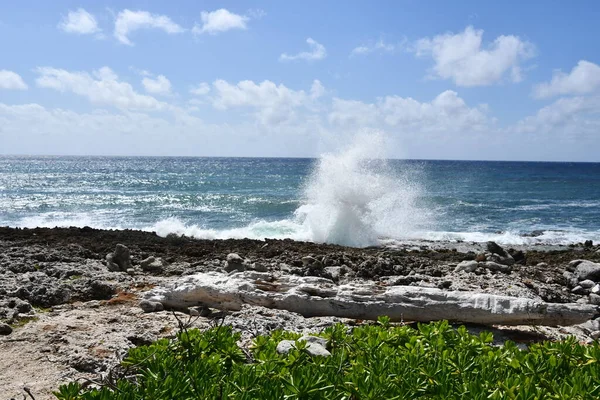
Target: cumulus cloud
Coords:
[[219, 21], [11, 80], [201, 89], [159, 85], [574, 116], [317, 52], [446, 113], [80, 22], [379, 46], [274, 104], [584, 78], [102, 87], [128, 21], [462, 58]]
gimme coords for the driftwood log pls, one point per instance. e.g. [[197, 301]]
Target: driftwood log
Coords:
[[312, 296]]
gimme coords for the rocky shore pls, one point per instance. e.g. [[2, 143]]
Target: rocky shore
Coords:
[[73, 300]]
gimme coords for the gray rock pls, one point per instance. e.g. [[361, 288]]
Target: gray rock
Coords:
[[334, 273], [311, 262], [152, 264], [234, 263], [578, 290], [595, 289], [505, 260], [259, 267], [120, 259], [5, 329], [587, 284], [587, 270], [493, 266], [594, 299], [315, 346], [467, 266], [494, 248], [595, 335], [151, 306]]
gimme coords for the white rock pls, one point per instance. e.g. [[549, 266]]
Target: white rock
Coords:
[[467, 266], [586, 270], [596, 289], [313, 296], [587, 284], [315, 346]]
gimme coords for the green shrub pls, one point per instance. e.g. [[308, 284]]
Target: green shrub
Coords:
[[379, 361]]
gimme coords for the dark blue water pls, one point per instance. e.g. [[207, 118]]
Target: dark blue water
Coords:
[[307, 199]]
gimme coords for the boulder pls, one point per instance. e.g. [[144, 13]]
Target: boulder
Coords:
[[5, 329], [151, 306], [234, 263], [585, 269], [467, 266], [587, 284], [152, 264], [314, 296], [494, 248], [315, 346], [494, 266], [119, 260]]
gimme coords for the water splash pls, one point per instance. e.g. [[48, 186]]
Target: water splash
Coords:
[[355, 197]]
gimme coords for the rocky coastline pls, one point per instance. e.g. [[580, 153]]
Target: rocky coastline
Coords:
[[73, 300]]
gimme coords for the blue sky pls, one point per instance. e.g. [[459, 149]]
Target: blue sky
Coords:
[[447, 80]]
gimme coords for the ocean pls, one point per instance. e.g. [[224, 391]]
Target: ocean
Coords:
[[346, 198]]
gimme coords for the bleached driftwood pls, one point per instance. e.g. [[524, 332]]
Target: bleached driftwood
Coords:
[[312, 296]]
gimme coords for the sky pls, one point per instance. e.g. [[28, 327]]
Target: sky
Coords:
[[503, 80]]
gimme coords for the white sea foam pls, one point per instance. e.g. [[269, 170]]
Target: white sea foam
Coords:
[[354, 197]]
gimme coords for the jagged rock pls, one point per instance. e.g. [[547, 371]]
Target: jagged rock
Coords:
[[234, 263], [333, 272], [315, 346], [151, 306], [119, 260], [585, 269], [588, 244], [495, 248], [467, 266], [5, 329], [578, 290], [313, 296]]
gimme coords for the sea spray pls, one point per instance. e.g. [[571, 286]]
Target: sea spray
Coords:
[[355, 197]]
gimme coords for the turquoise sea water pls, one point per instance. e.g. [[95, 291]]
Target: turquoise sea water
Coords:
[[341, 198]]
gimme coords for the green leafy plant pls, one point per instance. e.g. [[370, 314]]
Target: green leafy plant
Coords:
[[377, 361]]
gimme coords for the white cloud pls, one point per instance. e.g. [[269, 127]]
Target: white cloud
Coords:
[[201, 89], [573, 116], [274, 104], [219, 21], [379, 46], [447, 113], [102, 87], [160, 85], [11, 80], [317, 52], [80, 22], [584, 78], [128, 21], [460, 57]]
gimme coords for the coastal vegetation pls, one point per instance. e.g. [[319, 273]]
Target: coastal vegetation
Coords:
[[371, 361]]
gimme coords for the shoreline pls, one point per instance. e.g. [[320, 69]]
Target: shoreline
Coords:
[[74, 318]]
